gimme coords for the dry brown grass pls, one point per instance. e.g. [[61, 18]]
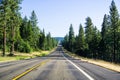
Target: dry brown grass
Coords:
[[105, 64]]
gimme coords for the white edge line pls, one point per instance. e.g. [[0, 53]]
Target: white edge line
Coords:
[[88, 76]]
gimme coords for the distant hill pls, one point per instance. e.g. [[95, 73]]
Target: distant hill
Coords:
[[59, 39]]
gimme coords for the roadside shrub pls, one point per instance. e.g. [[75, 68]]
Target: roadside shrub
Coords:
[[23, 46]]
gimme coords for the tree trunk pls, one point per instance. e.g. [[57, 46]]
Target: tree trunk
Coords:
[[12, 42], [4, 40], [114, 48]]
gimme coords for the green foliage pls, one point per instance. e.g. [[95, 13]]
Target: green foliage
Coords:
[[71, 38], [42, 40], [114, 18], [110, 35], [65, 42], [95, 44], [24, 47], [35, 38], [35, 31], [21, 34], [1, 39], [4, 18], [50, 42], [80, 42], [88, 30]]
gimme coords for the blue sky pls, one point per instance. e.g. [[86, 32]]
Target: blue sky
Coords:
[[55, 16]]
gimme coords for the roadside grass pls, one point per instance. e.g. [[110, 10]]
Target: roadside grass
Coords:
[[43, 53], [7, 59], [21, 56], [105, 64]]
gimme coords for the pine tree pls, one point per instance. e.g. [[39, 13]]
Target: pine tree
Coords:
[[95, 42], [114, 17], [89, 34], [15, 20], [42, 41], [88, 30], [71, 38], [24, 27], [104, 34], [49, 41], [33, 19], [4, 18], [65, 42], [35, 29], [105, 26], [29, 32], [80, 41]]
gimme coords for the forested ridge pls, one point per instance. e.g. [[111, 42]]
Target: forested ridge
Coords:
[[93, 43], [21, 34]]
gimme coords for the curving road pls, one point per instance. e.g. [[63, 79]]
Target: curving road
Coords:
[[56, 66]]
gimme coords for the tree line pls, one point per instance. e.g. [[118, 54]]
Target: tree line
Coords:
[[92, 43], [21, 34]]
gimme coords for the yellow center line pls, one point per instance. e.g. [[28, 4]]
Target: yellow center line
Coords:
[[29, 70]]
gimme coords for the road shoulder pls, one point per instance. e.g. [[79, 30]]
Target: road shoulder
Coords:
[[101, 63]]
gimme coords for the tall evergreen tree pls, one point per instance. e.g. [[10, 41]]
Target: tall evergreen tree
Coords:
[[114, 17], [29, 32], [15, 20], [26, 30], [65, 42], [104, 45], [42, 40], [36, 30], [104, 34], [105, 26], [95, 42], [89, 35], [80, 41], [71, 38], [49, 41], [88, 30], [33, 19], [4, 18], [24, 27]]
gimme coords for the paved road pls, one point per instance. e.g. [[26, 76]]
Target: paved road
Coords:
[[56, 66]]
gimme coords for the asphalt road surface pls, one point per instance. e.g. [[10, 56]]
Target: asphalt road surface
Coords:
[[56, 66]]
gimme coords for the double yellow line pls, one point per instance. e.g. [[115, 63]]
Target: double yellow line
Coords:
[[29, 70]]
